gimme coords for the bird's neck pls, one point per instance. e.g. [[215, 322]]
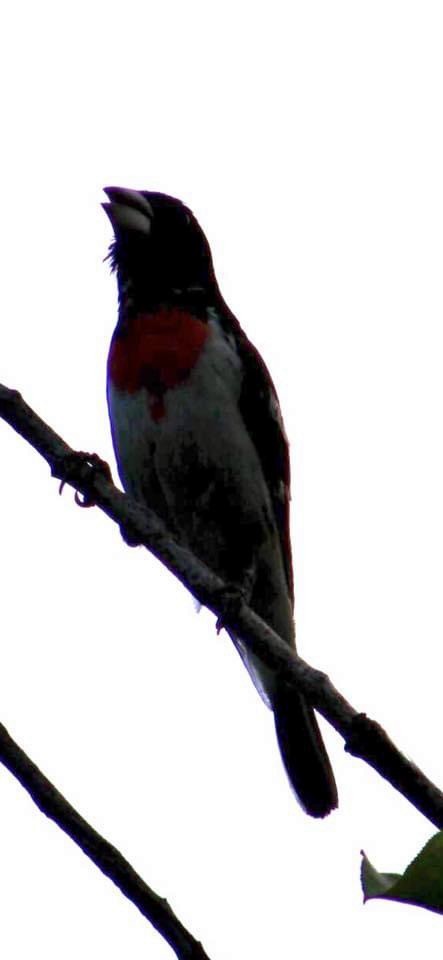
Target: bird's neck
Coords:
[[135, 298]]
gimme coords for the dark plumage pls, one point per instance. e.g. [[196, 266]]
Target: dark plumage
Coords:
[[198, 435]]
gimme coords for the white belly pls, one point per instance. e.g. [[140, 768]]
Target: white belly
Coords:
[[198, 468]]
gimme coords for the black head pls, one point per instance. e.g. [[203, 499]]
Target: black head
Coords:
[[160, 252]]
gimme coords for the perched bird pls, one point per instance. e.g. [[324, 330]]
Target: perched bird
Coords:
[[199, 438]]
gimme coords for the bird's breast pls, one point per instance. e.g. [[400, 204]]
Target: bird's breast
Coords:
[[156, 351]]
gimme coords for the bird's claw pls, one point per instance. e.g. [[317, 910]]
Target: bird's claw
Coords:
[[83, 468], [231, 598]]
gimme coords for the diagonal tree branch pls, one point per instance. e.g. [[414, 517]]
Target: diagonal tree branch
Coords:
[[363, 737], [106, 857]]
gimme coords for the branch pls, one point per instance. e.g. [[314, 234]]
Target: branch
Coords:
[[106, 857], [363, 737]]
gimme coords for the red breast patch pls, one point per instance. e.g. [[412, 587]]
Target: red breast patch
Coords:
[[157, 351]]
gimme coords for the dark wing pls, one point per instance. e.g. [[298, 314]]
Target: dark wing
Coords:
[[260, 410]]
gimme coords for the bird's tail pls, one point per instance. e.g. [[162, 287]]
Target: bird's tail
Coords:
[[301, 745], [303, 752]]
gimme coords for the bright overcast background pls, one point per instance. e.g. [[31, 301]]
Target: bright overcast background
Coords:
[[307, 138]]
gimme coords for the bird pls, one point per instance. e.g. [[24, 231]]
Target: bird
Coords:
[[199, 438]]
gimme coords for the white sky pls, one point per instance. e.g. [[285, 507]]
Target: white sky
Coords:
[[307, 138]]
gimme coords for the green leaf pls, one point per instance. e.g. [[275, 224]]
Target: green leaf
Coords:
[[421, 884]]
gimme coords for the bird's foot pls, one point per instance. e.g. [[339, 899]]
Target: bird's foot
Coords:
[[232, 596], [129, 535], [82, 469], [230, 599]]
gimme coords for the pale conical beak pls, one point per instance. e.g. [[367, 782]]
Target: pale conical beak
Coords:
[[128, 210]]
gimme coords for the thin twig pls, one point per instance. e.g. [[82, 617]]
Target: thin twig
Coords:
[[363, 737], [102, 853]]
